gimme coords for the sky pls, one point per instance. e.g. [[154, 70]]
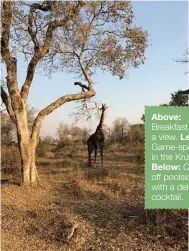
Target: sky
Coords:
[[150, 84]]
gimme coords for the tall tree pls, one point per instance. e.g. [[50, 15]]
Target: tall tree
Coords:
[[78, 36], [120, 129]]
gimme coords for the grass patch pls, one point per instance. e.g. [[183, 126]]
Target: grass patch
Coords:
[[106, 206]]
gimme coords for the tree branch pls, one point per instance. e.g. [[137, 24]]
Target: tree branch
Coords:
[[50, 108], [82, 86], [11, 62], [40, 52], [85, 73], [7, 102], [6, 24], [33, 34], [183, 92]]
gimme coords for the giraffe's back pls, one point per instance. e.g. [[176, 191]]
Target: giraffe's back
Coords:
[[97, 139]]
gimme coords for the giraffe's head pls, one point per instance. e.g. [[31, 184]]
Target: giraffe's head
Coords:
[[104, 107]]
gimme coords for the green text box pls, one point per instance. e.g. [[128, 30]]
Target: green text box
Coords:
[[166, 157]]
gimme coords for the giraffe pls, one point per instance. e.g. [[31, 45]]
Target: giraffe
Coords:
[[96, 140]]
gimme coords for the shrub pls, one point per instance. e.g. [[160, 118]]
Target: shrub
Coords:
[[44, 146], [10, 160]]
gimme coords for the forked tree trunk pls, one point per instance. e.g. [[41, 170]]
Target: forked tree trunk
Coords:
[[16, 101], [27, 148], [29, 171]]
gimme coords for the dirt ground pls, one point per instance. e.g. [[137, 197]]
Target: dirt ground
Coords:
[[101, 209]]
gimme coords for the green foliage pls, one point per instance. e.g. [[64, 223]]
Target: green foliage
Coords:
[[178, 99], [116, 187], [143, 118]]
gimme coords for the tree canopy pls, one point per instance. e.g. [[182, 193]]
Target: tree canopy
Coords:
[[78, 36]]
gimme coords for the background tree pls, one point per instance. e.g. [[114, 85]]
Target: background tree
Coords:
[[70, 134], [7, 130], [120, 129], [31, 112], [137, 133], [77, 36], [45, 145], [64, 137], [143, 117], [85, 134], [8, 127], [177, 99], [63, 130], [76, 132]]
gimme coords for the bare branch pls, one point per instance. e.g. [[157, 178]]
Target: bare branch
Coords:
[[11, 62], [40, 52], [50, 108], [85, 73], [6, 23], [86, 109], [29, 77], [32, 33]]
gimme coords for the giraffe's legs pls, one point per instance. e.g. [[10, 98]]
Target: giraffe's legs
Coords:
[[89, 159], [101, 154], [90, 150], [95, 154]]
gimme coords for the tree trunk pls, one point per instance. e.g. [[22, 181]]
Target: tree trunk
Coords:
[[27, 148], [34, 178], [29, 171]]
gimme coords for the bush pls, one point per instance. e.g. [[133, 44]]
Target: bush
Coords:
[[44, 146], [61, 144], [10, 160]]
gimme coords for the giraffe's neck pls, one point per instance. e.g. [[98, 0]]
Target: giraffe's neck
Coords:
[[100, 127]]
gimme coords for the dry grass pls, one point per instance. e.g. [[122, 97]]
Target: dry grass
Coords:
[[105, 204], [10, 160]]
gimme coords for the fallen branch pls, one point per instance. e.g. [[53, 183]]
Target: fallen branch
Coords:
[[73, 229]]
